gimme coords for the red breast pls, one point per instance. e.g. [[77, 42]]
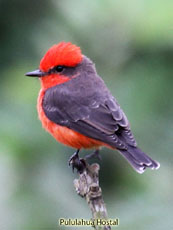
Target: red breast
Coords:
[[63, 134]]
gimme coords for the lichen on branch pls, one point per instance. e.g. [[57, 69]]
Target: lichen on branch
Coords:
[[87, 186]]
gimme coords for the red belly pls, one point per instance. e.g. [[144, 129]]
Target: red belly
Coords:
[[63, 134]]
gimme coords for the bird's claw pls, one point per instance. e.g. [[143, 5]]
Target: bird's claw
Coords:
[[94, 154], [77, 162]]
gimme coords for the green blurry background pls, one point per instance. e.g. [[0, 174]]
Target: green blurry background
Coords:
[[131, 42]]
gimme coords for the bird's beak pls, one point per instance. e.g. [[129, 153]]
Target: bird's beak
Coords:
[[35, 73]]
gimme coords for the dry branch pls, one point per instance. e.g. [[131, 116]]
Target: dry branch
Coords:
[[87, 186]]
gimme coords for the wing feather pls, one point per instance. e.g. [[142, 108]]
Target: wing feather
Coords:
[[100, 117]]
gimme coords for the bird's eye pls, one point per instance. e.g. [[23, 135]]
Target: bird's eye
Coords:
[[59, 68]]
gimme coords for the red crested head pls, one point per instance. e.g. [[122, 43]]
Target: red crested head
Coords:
[[64, 54], [58, 58]]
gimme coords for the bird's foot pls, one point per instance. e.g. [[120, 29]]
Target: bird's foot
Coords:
[[77, 162], [95, 154]]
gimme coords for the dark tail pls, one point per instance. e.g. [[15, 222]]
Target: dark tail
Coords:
[[138, 159]]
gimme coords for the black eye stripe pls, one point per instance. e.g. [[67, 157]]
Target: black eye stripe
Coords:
[[62, 68], [58, 68]]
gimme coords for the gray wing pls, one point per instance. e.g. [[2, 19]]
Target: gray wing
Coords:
[[89, 108], [93, 113]]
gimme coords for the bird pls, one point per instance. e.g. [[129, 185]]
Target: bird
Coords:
[[78, 110]]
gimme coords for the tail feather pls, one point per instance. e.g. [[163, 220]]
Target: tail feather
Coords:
[[138, 159]]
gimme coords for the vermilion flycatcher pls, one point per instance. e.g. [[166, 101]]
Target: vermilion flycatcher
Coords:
[[77, 108]]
